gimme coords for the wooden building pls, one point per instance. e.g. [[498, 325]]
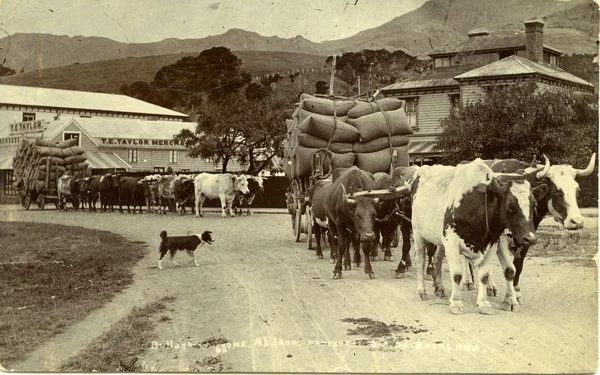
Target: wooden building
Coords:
[[462, 75], [118, 133]]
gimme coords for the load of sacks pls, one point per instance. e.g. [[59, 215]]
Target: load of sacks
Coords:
[[357, 132], [37, 161]]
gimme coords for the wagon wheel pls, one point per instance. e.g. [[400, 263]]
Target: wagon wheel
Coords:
[[298, 222], [41, 201], [309, 227]]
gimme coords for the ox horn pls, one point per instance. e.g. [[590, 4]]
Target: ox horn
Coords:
[[543, 172], [347, 196], [590, 168]]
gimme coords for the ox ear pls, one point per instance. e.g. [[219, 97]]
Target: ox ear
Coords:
[[539, 192]]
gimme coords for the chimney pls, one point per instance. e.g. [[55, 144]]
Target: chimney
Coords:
[[478, 32], [534, 40]]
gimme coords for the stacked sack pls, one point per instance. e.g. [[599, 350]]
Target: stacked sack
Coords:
[[37, 161], [355, 131]]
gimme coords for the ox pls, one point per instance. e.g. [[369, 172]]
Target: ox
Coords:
[[183, 191], [132, 191], [223, 186], [351, 217], [104, 187], [465, 209], [560, 202], [244, 201], [67, 188], [318, 195], [165, 187]]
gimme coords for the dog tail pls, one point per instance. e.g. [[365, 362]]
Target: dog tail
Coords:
[[163, 234]]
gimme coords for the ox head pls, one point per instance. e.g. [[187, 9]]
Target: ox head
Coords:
[[517, 205], [240, 183], [364, 213], [563, 192]]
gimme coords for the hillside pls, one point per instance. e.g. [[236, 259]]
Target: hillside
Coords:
[[109, 76], [571, 27]]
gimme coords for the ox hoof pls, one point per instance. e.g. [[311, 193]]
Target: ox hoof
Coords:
[[422, 295], [468, 286], [520, 300], [370, 276], [320, 256], [492, 292], [337, 275], [387, 258], [456, 310], [485, 309], [347, 267], [439, 292], [510, 306], [399, 275], [196, 264], [333, 261]]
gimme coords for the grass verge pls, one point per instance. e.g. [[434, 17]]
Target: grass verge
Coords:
[[52, 276], [119, 349]]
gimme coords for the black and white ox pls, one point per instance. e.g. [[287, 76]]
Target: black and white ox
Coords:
[[560, 201], [243, 202], [223, 186], [67, 188], [465, 210]]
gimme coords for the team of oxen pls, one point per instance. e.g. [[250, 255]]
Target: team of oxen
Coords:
[[466, 213], [158, 193]]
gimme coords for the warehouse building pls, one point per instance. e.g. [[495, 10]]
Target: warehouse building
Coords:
[[118, 133]]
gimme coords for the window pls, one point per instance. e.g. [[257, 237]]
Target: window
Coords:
[[411, 111], [8, 188], [173, 156], [28, 116], [454, 102], [132, 156], [72, 135]]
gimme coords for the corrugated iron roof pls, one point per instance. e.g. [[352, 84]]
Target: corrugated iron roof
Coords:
[[84, 100], [425, 83], [105, 160], [515, 65], [499, 41]]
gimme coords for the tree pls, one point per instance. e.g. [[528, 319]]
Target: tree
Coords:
[[192, 80], [520, 121]]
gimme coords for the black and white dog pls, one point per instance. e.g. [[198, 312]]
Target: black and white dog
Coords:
[[187, 243]]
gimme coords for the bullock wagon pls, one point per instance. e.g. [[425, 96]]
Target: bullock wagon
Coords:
[[38, 164], [329, 132]]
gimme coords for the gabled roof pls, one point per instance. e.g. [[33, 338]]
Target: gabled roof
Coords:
[[425, 83], [99, 127], [515, 65], [491, 43], [82, 100]]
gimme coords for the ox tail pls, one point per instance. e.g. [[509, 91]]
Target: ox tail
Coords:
[[163, 234]]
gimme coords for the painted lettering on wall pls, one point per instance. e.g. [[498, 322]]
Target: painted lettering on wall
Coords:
[[139, 142], [34, 126]]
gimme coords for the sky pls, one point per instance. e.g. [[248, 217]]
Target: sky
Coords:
[[140, 21]]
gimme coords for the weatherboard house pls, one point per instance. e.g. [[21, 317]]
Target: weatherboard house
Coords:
[[464, 75], [118, 133]]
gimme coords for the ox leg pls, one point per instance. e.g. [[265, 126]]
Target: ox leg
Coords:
[[367, 247], [317, 230], [333, 244], [483, 274], [387, 244], [452, 245], [405, 263], [199, 201], [467, 280], [420, 257], [518, 263], [492, 290], [224, 205], [342, 244], [347, 258], [510, 302], [356, 248], [437, 253]]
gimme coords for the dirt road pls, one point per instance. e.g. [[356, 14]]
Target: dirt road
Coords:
[[270, 305]]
